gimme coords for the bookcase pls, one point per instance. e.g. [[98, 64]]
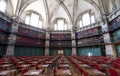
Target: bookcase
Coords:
[[29, 42], [114, 28], [90, 42], [60, 40], [4, 33]]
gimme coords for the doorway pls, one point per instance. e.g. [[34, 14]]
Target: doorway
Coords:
[[60, 52]]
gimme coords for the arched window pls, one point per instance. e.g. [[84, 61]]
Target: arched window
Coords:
[[27, 19], [34, 20], [60, 25], [86, 19], [3, 5]]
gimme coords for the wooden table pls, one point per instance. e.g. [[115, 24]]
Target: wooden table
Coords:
[[6, 66], [33, 73], [20, 62], [63, 73], [48, 62], [64, 66], [84, 66], [44, 66], [94, 72], [6, 73], [24, 66], [6, 62], [34, 62], [63, 62]]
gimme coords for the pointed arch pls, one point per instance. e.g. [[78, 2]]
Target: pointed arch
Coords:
[[94, 5], [66, 10], [25, 5]]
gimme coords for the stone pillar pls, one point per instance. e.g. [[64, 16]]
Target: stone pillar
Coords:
[[74, 52], [47, 43], [12, 38], [109, 48]]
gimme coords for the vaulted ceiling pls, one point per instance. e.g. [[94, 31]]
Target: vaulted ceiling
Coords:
[[53, 9]]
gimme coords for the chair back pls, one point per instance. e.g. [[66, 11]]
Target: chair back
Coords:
[[113, 72]]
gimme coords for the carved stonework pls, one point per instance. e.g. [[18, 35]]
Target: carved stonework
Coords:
[[117, 2], [11, 39], [114, 5]]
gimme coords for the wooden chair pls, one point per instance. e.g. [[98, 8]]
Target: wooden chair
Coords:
[[113, 72]]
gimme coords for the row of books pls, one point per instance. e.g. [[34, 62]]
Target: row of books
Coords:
[[4, 25], [29, 41], [61, 43], [60, 36], [3, 37], [115, 36], [30, 33], [114, 24], [89, 32], [90, 41]]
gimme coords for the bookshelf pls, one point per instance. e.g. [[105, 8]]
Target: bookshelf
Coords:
[[89, 33], [60, 40], [30, 33]]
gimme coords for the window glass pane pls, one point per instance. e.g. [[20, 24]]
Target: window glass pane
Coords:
[[92, 19], [55, 27], [34, 20], [2, 5], [65, 27], [86, 19], [80, 23], [27, 19], [60, 25], [40, 24]]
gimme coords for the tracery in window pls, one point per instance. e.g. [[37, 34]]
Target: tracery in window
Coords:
[[60, 25], [86, 19], [33, 19]]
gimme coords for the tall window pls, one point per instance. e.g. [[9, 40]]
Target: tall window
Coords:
[[55, 27], [60, 25], [92, 19], [27, 19], [80, 23], [40, 24], [3, 5], [34, 20], [86, 19]]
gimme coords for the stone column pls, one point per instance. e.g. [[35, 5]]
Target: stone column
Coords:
[[12, 38], [109, 48], [74, 52], [47, 43]]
